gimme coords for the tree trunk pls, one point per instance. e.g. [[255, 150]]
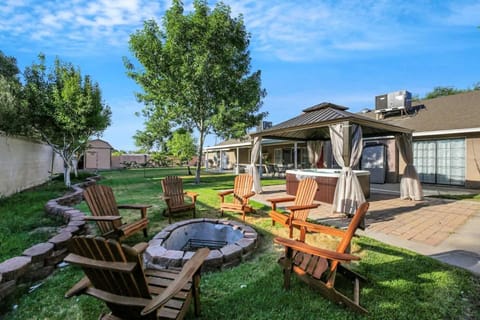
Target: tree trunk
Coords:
[[66, 175], [199, 156]]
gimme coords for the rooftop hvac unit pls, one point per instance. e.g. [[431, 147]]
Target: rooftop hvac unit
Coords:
[[394, 101], [264, 125], [399, 99], [381, 102]]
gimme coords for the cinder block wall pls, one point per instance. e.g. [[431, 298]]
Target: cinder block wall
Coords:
[[25, 163]]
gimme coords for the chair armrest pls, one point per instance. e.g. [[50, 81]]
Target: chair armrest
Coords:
[[274, 201], [224, 193], [188, 271], [192, 195], [142, 207], [303, 207], [140, 247], [312, 227], [103, 218], [308, 249], [282, 199]]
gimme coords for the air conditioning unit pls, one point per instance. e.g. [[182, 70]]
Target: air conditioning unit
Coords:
[[264, 125], [381, 102], [394, 101], [399, 99]]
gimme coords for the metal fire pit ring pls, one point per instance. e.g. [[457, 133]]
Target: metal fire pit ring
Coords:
[[169, 248]]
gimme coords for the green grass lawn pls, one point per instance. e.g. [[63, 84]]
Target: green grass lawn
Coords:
[[402, 284], [23, 219]]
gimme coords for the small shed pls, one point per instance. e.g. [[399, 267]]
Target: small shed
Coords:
[[98, 155]]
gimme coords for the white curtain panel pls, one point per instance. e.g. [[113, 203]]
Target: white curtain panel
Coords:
[[348, 192], [257, 143], [410, 186], [314, 149]]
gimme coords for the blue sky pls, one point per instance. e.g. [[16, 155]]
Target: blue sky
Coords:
[[310, 51]]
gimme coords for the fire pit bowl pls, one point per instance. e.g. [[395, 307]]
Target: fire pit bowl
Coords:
[[230, 242]]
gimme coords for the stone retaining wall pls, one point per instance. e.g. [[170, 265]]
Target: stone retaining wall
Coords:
[[39, 261]]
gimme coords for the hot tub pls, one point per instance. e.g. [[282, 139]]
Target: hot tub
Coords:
[[327, 181]]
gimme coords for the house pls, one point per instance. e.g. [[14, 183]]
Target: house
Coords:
[[98, 155], [446, 137], [446, 142]]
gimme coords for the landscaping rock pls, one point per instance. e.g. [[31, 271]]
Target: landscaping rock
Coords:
[[7, 288], [14, 268], [56, 257], [60, 241], [214, 261], [231, 252], [39, 252]]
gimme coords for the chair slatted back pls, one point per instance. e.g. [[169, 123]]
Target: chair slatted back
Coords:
[[130, 284], [243, 185], [173, 187], [101, 202], [350, 232], [305, 195]]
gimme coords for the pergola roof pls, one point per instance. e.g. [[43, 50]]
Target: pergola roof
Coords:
[[313, 124]]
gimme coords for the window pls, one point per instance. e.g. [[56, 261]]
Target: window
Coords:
[[440, 161]]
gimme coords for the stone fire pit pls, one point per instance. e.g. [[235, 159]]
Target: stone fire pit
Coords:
[[230, 242]]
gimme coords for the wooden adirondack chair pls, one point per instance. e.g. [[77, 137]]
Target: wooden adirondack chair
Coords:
[[242, 191], [174, 196], [300, 209], [318, 267], [105, 212], [114, 274]]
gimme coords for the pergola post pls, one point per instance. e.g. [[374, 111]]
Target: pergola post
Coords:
[[347, 143]]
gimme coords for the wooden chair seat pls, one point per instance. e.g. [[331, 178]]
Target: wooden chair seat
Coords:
[[105, 212], [318, 267], [115, 275], [174, 197], [302, 203], [240, 195]]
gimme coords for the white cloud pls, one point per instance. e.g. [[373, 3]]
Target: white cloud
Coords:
[[281, 30], [92, 24]]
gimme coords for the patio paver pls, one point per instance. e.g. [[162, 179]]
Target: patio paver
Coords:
[[429, 227]]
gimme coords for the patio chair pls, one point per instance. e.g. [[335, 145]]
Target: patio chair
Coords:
[[318, 267], [303, 202], [174, 197], [115, 275], [242, 191], [105, 212]]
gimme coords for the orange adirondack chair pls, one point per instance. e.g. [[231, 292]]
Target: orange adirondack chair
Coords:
[[115, 275], [105, 212], [174, 196], [242, 191], [300, 209], [318, 267]]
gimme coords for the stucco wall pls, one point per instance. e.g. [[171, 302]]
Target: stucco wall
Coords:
[[472, 172], [24, 164]]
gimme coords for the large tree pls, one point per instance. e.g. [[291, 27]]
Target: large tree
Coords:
[[12, 105], [195, 72], [65, 109], [182, 145]]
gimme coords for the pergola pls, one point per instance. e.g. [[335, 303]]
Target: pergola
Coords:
[[328, 121]]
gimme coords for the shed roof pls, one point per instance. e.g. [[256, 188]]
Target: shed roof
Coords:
[[313, 124]]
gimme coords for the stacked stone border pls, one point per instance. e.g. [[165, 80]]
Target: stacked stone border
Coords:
[[158, 257], [40, 260]]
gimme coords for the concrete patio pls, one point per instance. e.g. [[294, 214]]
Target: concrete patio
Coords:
[[447, 230]]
